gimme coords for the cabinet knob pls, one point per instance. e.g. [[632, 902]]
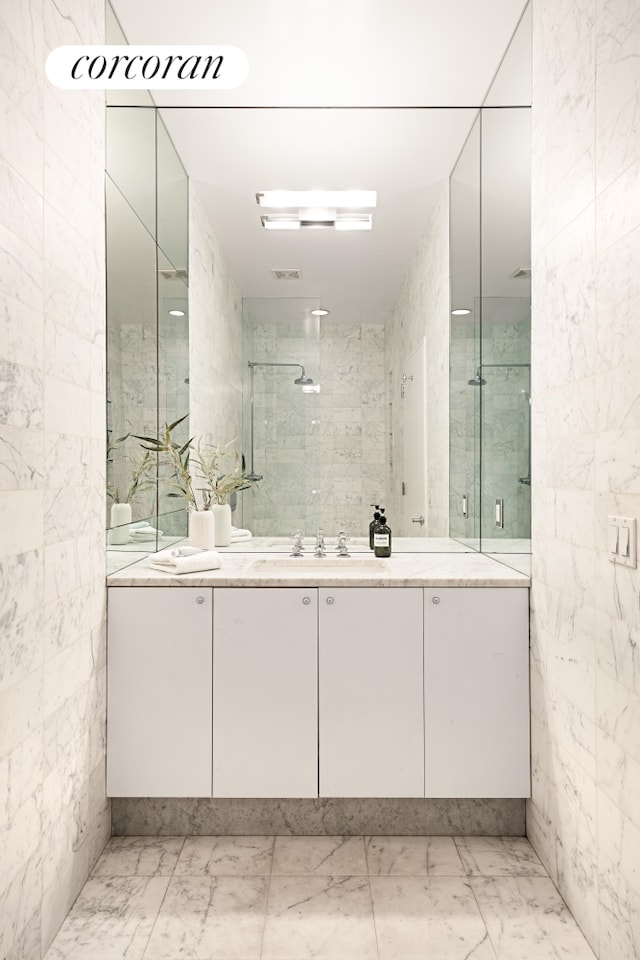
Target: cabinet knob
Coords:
[[330, 600], [306, 601], [435, 599], [199, 599]]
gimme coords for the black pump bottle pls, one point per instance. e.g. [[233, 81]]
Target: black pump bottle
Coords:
[[373, 524], [382, 538]]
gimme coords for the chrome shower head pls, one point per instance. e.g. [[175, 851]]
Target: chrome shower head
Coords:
[[303, 380], [477, 381]]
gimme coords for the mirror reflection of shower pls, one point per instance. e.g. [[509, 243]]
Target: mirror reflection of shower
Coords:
[[306, 382]]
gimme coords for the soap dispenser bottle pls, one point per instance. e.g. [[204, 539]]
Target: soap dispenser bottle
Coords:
[[374, 524], [382, 538]]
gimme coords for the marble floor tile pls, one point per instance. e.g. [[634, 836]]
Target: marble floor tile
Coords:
[[319, 856], [499, 857], [324, 918], [527, 919], [226, 856], [111, 919], [413, 857], [434, 917], [210, 918], [139, 857]]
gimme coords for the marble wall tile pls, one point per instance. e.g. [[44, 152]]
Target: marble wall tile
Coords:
[[52, 686], [585, 614]]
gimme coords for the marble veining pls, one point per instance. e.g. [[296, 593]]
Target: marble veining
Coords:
[[585, 350], [407, 899], [427, 569]]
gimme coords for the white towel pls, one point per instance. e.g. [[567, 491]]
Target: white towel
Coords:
[[186, 560], [238, 534]]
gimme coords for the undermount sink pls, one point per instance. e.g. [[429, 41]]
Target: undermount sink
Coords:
[[317, 564]]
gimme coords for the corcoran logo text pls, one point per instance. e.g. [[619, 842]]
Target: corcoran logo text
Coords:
[[147, 67]]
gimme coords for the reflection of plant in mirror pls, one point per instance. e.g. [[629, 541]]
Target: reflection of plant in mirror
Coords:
[[179, 456], [140, 479], [210, 462], [220, 486]]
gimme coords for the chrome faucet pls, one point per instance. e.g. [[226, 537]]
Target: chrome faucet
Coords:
[[297, 548], [342, 544], [320, 550]]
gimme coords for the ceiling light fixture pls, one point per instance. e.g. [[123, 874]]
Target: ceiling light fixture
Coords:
[[280, 223], [176, 313], [319, 312], [461, 312], [317, 198], [364, 222], [354, 221]]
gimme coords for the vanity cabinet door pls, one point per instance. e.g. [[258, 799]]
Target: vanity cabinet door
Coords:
[[371, 692], [265, 728], [476, 692], [159, 692]]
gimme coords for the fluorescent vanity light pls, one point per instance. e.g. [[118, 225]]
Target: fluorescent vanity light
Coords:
[[176, 313], [319, 312], [364, 222], [317, 198], [462, 312], [281, 223]]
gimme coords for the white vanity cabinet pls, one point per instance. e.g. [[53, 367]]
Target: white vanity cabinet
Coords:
[[370, 656], [265, 683], [476, 692], [159, 692], [295, 691]]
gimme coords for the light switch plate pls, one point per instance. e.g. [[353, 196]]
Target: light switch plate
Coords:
[[622, 540]]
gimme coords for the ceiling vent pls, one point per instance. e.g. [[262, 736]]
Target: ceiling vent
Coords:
[[174, 274], [286, 273], [522, 273]]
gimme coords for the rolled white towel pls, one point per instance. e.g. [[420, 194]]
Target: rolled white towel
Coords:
[[239, 534], [186, 560]]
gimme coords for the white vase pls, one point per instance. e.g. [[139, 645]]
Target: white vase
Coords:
[[222, 514], [120, 521], [202, 529]]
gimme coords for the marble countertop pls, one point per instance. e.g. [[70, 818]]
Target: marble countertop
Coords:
[[271, 570]]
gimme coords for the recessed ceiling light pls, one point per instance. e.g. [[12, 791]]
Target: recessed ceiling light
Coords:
[[461, 312], [176, 313], [319, 312], [317, 198]]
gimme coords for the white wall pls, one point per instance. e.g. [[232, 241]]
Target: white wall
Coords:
[[422, 310], [584, 818], [54, 818], [215, 335]]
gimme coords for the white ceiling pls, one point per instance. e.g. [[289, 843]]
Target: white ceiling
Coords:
[[329, 53]]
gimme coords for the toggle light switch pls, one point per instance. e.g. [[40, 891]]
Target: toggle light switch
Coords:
[[622, 540], [613, 536]]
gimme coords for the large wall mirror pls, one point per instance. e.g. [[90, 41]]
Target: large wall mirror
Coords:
[[316, 340]]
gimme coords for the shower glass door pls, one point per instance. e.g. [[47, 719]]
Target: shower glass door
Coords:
[[282, 424]]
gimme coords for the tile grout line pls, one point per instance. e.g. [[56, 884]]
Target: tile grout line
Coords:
[[266, 902], [164, 897]]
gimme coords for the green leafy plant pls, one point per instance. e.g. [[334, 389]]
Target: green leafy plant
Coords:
[[212, 460], [140, 479], [208, 476], [179, 460]]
